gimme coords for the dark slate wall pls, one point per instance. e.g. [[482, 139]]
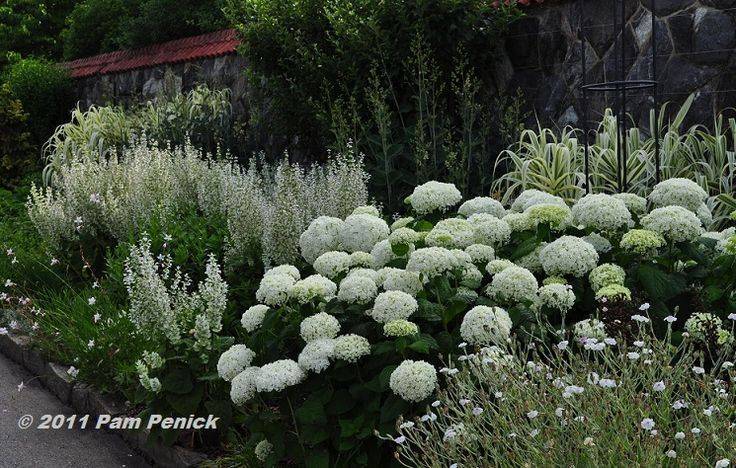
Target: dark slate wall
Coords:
[[695, 42]]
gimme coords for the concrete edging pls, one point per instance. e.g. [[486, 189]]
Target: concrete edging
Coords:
[[85, 399]]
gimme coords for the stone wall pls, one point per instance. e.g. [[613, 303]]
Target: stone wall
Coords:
[[541, 55], [227, 71], [695, 42]]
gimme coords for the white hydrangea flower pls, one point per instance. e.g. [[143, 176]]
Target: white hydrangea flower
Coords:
[[322, 235], [393, 305], [365, 272], [599, 243], [243, 387], [704, 215], [432, 261], [634, 203], [361, 259], [558, 217], [263, 449], [480, 253], [568, 255], [674, 223], [395, 279], [360, 232], [589, 328], [351, 348], [498, 265], [606, 275], [463, 259], [680, 192], [314, 287], [357, 289], [285, 269], [413, 380], [703, 326], [489, 230], [487, 205], [332, 264], [274, 289], [557, 296], [401, 222], [518, 222], [403, 236], [320, 325], [253, 317], [531, 260], [472, 277], [433, 196], [601, 212], [234, 361], [484, 325], [367, 209], [396, 328], [451, 233], [278, 375], [533, 197], [382, 253], [513, 284], [316, 355]]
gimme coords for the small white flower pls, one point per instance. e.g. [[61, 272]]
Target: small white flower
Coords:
[[639, 344], [698, 370], [400, 439], [477, 411], [436, 403], [73, 371], [723, 463], [534, 433], [607, 383], [91, 301], [21, 386], [658, 386], [670, 319], [639, 318], [3, 331], [695, 430], [464, 402], [671, 454], [632, 356], [91, 344], [680, 435], [462, 345], [96, 318], [559, 412], [588, 441], [647, 424], [532, 414], [54, 261], [610, 341], [680, 404], [727, 364], [644, 307], [9, 252], [498, 395], [732, 316], [562, 345]]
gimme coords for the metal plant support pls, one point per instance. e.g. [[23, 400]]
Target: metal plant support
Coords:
[[620, 86]]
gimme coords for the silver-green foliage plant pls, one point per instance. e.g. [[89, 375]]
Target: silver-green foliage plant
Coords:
[[555, 163], [642, 403], [265, 207]]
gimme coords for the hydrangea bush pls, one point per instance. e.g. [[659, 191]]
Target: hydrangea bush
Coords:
[[347, 343]]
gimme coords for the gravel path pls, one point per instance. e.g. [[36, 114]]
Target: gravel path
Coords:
[[50, 448]]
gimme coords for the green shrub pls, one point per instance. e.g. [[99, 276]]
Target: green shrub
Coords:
[[29, 27], [45, 90], [17, 154], [386, 66], [94, 26]]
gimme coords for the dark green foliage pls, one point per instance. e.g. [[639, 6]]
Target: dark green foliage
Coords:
[[96, 26], [17, 155], [30, 27], [45, 91]]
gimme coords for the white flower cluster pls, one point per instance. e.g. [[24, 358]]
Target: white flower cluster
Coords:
[[234, 361], [590, 328], [557, 296], [432, 261], [606, 275], [393, 305], [322, 235], [320, 325], [396, 279], [486, 205], [513, 284], [452, 233], [413, 380], [674, 223], [274, 288], [532, 197], [490, 230], [360, 232], [357, 289], [484, 325], [252, 318], [601, 212], [568, 255], [434, 196], [332, 264], [481, 254], [679, 192], [634, 203], [313, 288], [351, 348]]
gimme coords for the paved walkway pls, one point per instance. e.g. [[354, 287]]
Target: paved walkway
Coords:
[[50, 448]]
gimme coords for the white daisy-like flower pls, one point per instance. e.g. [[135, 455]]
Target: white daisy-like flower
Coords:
[[647, 424]]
